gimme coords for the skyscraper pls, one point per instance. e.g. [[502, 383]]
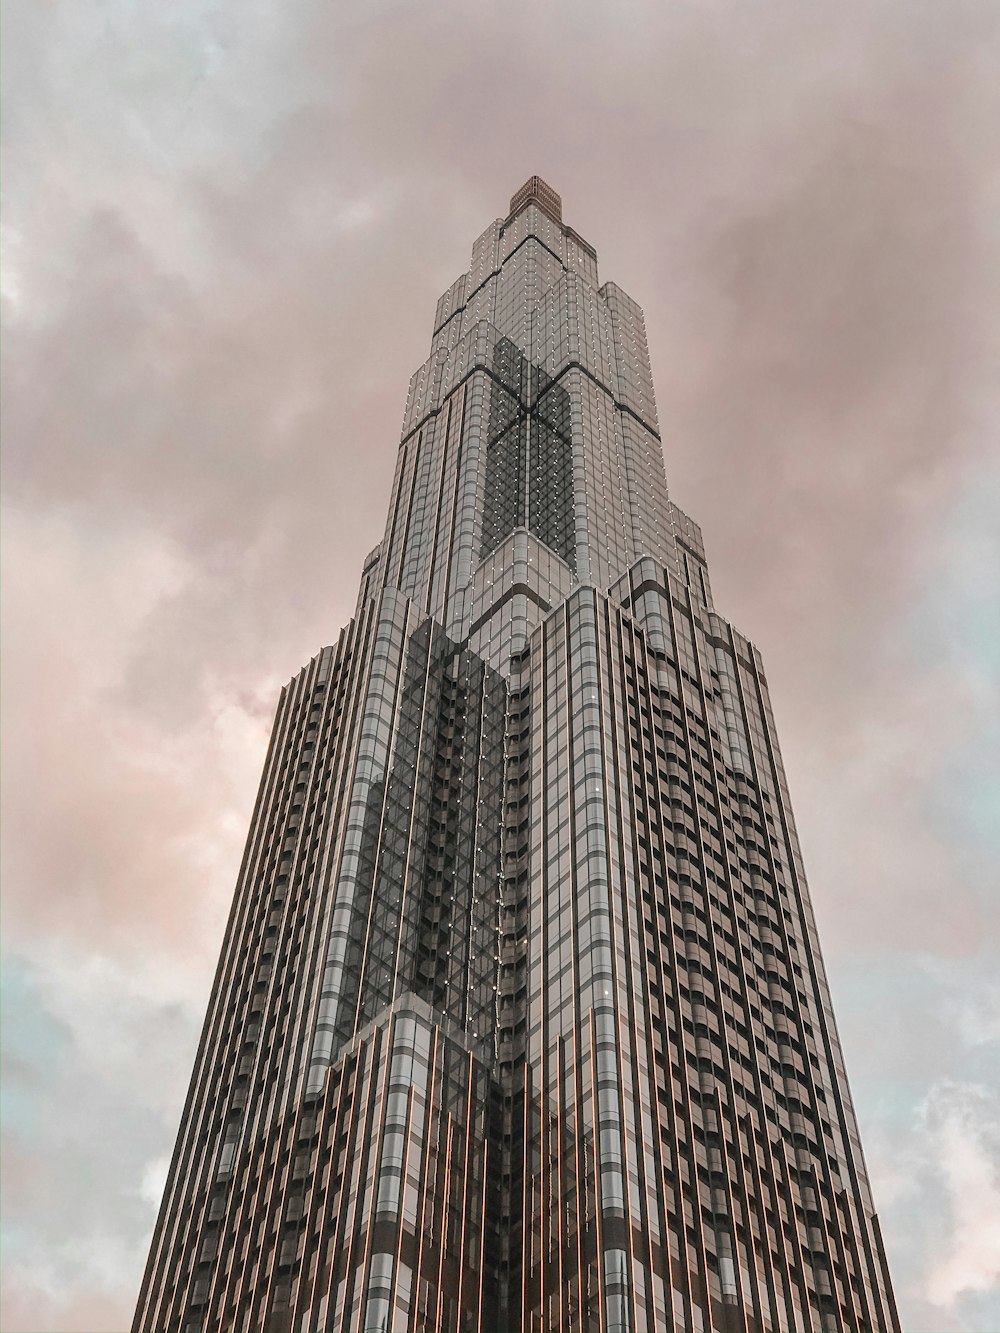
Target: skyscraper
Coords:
[[520, 1021]]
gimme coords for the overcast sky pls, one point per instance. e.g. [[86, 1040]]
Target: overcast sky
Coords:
[[226, 225]]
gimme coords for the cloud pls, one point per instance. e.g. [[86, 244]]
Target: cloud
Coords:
[[943, 1171], [230, 225], [969, 1153], [96, 1054]]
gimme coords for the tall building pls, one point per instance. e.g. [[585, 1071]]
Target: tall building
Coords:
[[520, 1021]]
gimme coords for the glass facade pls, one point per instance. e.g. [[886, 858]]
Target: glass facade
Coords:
[[520, 1022]]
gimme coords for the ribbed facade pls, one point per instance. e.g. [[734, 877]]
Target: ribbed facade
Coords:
[[520, 1022]]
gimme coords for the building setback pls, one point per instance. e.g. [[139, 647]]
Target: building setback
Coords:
[[520, 1022]]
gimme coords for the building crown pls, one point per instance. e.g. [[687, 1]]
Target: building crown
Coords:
[[536, 191]]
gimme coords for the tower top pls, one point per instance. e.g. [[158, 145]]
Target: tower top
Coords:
[[536, 191]]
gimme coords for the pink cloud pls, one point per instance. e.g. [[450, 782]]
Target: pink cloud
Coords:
[[223, 275]]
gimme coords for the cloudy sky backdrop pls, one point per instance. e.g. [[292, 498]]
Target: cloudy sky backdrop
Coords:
[[226, 226]]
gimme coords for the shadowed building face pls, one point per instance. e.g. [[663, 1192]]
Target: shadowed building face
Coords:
[[520, 1021]]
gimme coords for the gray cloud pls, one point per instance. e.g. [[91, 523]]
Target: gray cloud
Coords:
[[227, 233]]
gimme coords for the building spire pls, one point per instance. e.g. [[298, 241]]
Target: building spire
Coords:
[[536, 191]]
